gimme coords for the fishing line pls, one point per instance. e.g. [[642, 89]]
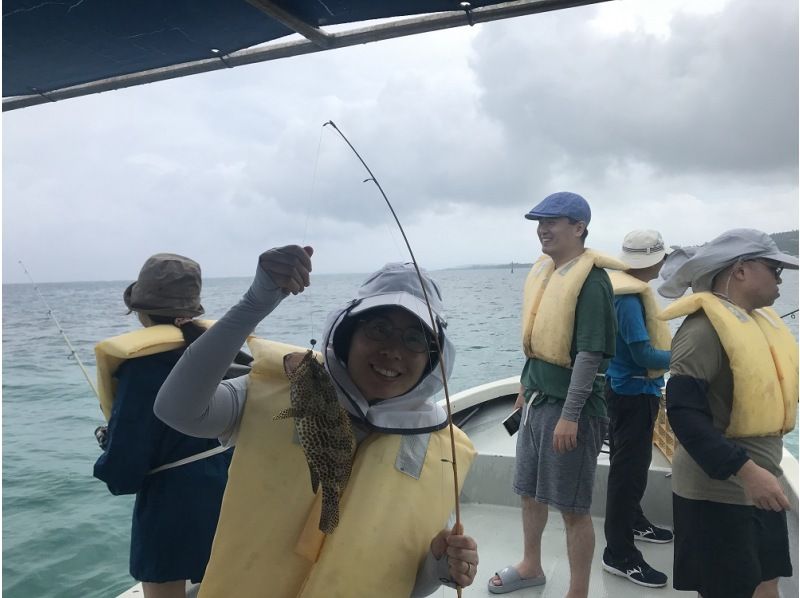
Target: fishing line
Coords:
[[312, 341], [73, 352], [434, 327], [313, 184]]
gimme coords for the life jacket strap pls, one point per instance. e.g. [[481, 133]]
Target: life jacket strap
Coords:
[[190, 459]]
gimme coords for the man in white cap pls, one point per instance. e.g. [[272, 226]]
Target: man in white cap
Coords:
[[634, 380], [731, 396], [568, 331]]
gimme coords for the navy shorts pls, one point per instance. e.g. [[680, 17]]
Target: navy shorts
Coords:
[[725, 551], [562, 480]]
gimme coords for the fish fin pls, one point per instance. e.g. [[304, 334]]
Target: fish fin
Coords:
[[329, 518], [287, 413]]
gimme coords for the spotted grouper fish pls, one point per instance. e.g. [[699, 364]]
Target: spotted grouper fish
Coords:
[[324, 429]]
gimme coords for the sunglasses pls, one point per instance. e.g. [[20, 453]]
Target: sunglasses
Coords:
[[381, 330], [777, 268]]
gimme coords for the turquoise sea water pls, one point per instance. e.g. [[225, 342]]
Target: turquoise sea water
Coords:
[[63, 533]]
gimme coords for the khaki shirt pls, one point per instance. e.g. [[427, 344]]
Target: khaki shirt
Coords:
[[697, 352]]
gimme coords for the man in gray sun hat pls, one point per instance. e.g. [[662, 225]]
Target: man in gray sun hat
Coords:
[[731, 396]]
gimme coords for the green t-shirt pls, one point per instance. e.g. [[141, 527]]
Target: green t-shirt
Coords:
[[595, 330]]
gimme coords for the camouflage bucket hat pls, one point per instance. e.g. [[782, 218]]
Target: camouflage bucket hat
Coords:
[[168, 285]]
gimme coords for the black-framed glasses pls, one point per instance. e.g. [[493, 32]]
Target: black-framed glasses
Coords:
[[381, 330], [776, 267]]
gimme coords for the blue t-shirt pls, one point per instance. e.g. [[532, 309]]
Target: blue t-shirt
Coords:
[[627, 371]]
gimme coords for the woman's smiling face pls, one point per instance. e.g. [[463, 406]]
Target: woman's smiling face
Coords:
[[387, 368]]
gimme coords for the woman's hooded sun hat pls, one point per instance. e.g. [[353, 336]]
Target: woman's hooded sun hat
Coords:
[[394, 285], [168, 285]]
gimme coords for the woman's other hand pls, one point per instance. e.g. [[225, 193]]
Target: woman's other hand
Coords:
[[288, 267], [462, 554]]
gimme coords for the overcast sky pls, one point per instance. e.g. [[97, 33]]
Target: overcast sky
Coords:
[[662, 113]]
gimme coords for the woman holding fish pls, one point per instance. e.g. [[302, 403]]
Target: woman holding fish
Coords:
[[375, 528]]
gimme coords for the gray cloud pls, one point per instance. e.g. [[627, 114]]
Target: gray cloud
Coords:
[[465, 130], [718, 97]]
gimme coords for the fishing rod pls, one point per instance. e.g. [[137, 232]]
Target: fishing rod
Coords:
[[434, 327], [73, 352], [791, 314]]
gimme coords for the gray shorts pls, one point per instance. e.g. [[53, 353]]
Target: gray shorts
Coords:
[[563, 480]]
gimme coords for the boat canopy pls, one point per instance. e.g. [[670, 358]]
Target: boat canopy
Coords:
[[58, 49]]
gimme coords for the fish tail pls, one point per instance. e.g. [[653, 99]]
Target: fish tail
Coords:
[[329, 518]]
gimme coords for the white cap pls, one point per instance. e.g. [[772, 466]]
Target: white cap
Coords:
[[643, 248]]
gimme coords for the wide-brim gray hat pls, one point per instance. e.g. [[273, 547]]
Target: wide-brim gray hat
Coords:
[[697, 267], [168, 285]]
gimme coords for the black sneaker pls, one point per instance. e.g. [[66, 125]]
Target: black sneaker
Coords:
[[637, 571], [651, 533]]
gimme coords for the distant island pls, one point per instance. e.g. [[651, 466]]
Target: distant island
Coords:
[[786, 241], [509, 266]]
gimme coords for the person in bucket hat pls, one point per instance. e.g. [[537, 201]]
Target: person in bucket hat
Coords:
[[731, 396], [168, 285], [176, 508], [634, 380]]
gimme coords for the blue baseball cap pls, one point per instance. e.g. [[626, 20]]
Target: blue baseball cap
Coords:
[[559, 204]]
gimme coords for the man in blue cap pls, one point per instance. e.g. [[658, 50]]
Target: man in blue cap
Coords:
[[568, 334]]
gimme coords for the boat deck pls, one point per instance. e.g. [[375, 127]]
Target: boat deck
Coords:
[[491, 514], [491, 511], [498, 531]]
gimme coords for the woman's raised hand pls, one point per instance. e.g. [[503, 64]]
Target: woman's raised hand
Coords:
[[288, 267]]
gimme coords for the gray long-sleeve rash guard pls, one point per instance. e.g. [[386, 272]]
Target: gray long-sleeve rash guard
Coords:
[[584, 371], [196, 401]]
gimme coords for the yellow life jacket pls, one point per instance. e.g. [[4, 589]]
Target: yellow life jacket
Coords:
[[112, 352], [657, 329], [763, 356], [267, 542], [550, 299]]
